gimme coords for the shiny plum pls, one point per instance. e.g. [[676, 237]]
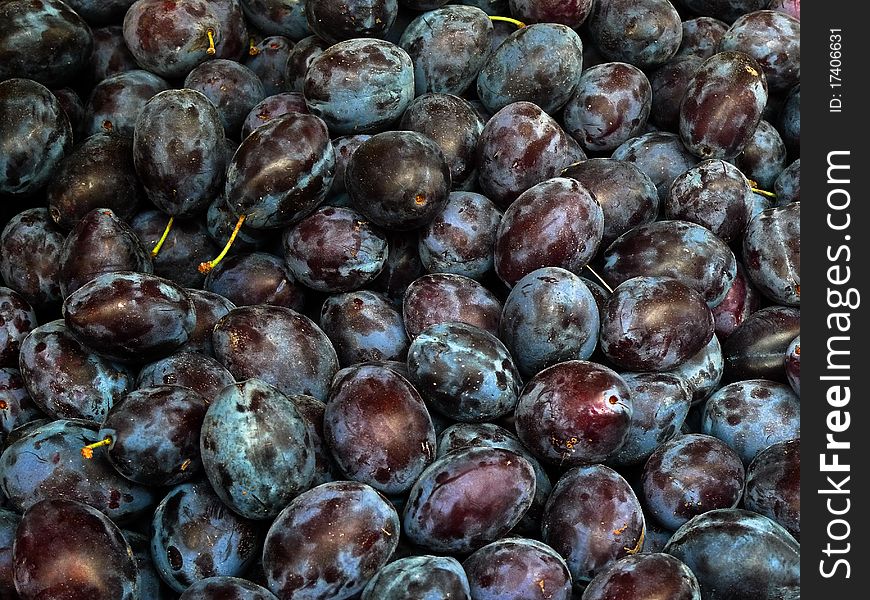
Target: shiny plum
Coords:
[[232, 87], [516, 568], [660, 155], [421, 577], [446, 298], [30, 247], [757, 347], [192, 370], [648, 576], [773, 485], [771, 253], [116, 102], [256, 278], [643, 33], [363, 326]]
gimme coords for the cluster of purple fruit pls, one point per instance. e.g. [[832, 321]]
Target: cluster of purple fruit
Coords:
[[508, 305]]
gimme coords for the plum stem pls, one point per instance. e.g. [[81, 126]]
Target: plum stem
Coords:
[[519, 24], [163, 237], [637, 547], [600, 279], [88, 451], [252, 48], [753, 185], [208, 266], [211, 49]]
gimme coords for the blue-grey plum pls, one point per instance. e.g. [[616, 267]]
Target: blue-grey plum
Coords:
[[573, 413], [757, 347], [329, 542], [703, 372], [701, 37], [751, 415], [567, 12], [256, 449], [30, 247], [187, 244], [278, 17], [644, 33], [272, 107], [773, 39], [226, 588], [262, 341], [389, 458], [773, 485], [467, 499], [764, 157], [448, 46], [549, 316], [195, 536], [787, 186], [130, 317], [556, 223], [419, 578], [737, 555], [592, 519], [772, 253], [17, 319], [16, 406], [789, 122], [660, 155]]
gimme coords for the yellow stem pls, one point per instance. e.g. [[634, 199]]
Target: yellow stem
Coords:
[[163, 237], [753, 185], [208, 266], [519, 24], [211, 49], [252, 48], [88, 451]]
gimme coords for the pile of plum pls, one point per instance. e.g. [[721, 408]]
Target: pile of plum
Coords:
[[400, 299]]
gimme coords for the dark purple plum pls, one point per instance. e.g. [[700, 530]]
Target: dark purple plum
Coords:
[[403, 266], [556, 223], [668, 83], [362, 399], [43, 40], [17, 319], [65, 379], [198, 372], [46, 463], [684, 251], [398, 179], [611, 105], [540, 63], [277, 17], [773, 485], [178, 151], [654, 324], [567, 12], [723, 105], [757, 347], [30, 247], [334, 250], [262, 341], [468, 499], [690, 475], [89, 556], [101, 11], [256, 449], [549, 316], [226, 588], [772, 253], [74, 107], [737, 555], [344, 146], [517, 568], [644, 576], [788, 185], [454, 125], [703, 372], [463, 372], [110, 55], [171, 38], [35, 131], [592, 519], [660, 155], [490, 7], [752, 415], [329, 542], [789, 122], [209, 308], [16, 406], [660, 403], [154, 434], [448, 298], [419, 577], [701, 37], [793, 365], [773, 39], [448, 47], [644, 33], [364, 326], [764, 157], [116, 102], [627, 196], [313, 410], [740, 301], [360, 85], [281, 172], [521, 146], [338, 21], [575, 412], [271, 108], [268, 60], [256, 278], [98, 173], [233, 88], [195, 536], [100, 243], [300, 58], [714, 194], [461, 237], [187, 244], [130, 317]]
